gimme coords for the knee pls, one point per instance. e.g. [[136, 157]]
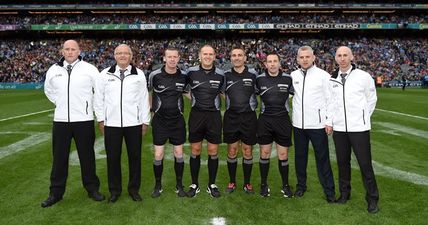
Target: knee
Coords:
[[248, 153], [159, 155], [232, 152], [283, 155]]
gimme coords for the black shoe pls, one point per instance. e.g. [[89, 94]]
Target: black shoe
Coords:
[[96, 196], [135, 197], [212, 189], [113, 198], [264, 190], [180, 191], [343, 198], [331, 199], [287, 192], [193, 190], [372, 207], [299, 193], [51, 200], [157, 191]]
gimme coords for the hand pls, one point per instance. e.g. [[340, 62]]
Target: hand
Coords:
[[144, 128], [328, 130], [101, 126]]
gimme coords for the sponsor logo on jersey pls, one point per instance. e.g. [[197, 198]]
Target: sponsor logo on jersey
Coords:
[[247, 82]]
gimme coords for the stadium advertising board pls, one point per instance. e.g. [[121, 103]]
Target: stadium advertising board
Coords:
[[84, 27], [21, 86], [378, 26], [226, 26], [9, 27], [284, 26]]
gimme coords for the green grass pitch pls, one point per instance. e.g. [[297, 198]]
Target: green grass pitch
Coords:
[[399, 150]]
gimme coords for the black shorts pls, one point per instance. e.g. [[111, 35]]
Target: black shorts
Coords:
[[205, 125], [274, 128], [173, 129], [240, 126]]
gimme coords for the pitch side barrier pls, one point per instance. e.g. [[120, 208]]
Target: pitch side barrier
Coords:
[[231, 26], [21, 86]]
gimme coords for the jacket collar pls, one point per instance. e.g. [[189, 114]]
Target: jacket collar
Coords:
[[336, 72], [61, 61], [113, 69]]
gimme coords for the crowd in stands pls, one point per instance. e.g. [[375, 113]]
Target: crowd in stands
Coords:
[[26, 21], [28, 61], [205, 2]]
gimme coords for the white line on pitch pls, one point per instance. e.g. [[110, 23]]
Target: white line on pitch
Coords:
[[26, 143], [395, 129], [25, 115], [218, 221], [403, 114]]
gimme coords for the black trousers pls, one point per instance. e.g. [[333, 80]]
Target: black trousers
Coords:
[[113, 137], [319, 141], [360, 143], [84, 137]]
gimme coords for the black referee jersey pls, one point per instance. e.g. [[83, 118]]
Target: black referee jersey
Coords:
[[240, 90], [206, 87], [167, 98], [274, 92]]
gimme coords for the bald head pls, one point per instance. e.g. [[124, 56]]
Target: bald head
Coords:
[[70, 50], [344, 58]]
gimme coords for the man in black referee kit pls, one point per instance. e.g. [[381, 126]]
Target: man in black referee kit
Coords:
[[206, 84], [69, 85], [123, 112], [274, 124], [168, 84], [240, 119]]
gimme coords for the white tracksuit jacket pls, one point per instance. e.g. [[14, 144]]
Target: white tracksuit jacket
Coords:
[[72, 95], [354, 102], [312, 98], [122, 103]]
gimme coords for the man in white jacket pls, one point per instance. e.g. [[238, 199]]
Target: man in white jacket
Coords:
[[69, 86], [354, 102], [123, 112], [311, 101]]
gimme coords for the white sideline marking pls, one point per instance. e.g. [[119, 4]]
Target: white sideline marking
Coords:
[[25, 115], [396, 129], [403, 114], [37, 123], [399, 174], [218, 221], [26, 143]]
